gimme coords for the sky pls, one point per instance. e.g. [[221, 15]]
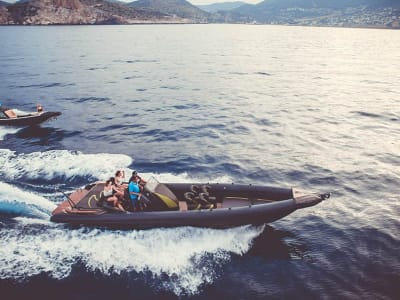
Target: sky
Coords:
[[194, 2], [201, 2]]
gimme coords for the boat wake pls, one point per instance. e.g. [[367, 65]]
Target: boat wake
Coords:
[[7, 130], [187, 257], [22, 203], [59, 164], [178, 260]]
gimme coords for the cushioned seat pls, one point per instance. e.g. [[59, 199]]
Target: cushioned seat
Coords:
[[10, 113]]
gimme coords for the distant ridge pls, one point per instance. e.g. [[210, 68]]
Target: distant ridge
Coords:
[[225, 6]]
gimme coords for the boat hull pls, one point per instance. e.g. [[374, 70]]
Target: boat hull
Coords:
[[29, 120], [243, 206]]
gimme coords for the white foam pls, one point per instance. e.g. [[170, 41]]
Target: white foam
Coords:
[[185, 178], [69, 164], [7, 130], [59, 163], [16, 201], [32, 221], [188, 256]]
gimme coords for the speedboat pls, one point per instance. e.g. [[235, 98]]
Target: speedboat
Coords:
[[185, 204], [11, 118]]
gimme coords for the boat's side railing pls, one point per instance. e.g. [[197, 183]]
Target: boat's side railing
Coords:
[[70, 202]]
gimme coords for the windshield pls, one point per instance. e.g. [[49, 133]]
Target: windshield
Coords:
[[154, 186]]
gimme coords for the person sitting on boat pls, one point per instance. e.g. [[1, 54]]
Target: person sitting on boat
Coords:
[[134, 192], [39, 108], [111, 194], [119, 180], [119, 191], [139, 180]]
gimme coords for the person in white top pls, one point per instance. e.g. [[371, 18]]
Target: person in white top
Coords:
[[110, 193], [119, 180]]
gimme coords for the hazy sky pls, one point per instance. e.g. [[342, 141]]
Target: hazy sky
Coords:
[[195, 2]]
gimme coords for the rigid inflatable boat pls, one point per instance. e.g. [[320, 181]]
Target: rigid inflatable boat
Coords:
[[10, 118], [183, 204]]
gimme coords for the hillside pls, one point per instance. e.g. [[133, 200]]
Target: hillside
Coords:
[[349, 13], [337, 4], [48, 12], [180, 8], [225, 6]]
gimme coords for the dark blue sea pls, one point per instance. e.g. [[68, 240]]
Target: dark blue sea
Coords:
[[312, 108]]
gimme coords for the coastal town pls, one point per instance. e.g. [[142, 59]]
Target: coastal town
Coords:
[[352, 17]]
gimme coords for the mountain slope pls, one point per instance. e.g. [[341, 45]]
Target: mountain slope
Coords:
[[329, 4], [370, 13], [45, 12], [225, 6], [180, 8]]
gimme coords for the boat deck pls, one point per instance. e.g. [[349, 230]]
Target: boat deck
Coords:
[[75, 197]]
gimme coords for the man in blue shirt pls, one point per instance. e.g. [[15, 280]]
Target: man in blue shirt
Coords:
[[134, 193]]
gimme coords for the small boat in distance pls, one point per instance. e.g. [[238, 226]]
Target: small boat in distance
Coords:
[[9, 117], [186, 204]]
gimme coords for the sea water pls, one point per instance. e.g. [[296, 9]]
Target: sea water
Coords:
[[314, 108]]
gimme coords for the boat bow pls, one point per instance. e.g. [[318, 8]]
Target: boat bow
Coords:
[[308, 199]]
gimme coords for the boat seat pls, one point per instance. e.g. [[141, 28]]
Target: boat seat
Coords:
[[10, 114], [191, 201], [93, 197], [195, 189], [206, 198], [206, 188], [97, 200], [101, 201], [199, 201], [189, 197]]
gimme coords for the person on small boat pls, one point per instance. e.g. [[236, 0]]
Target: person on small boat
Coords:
[[111, 194], [134, 192], [119, 191], [39, 108], [119, 180], [139, 180]]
